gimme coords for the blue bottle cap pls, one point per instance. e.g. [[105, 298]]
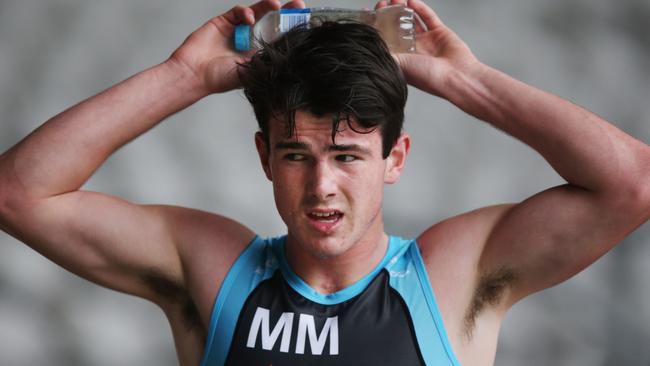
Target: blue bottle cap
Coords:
[[242, 37]]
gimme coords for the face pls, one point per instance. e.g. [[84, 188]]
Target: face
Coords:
[[329, 195]]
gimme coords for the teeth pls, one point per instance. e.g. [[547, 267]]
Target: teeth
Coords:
[[323, 214]]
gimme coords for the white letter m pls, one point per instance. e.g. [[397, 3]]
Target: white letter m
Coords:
[[306, 327], [261, 319]]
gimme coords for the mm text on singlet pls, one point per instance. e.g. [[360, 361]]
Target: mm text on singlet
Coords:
[[266, 315]]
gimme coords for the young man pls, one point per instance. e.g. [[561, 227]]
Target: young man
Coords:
[[337, 289]]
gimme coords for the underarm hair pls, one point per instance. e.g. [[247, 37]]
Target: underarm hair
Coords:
[[490, 291], [175, 294]]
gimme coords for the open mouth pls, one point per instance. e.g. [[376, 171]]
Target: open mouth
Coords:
[[325, 221], [327, 216]]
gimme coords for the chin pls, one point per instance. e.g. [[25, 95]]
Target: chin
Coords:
[[324, 247]]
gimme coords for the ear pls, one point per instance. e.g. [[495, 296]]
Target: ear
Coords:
[[397, 159], [263, 152]]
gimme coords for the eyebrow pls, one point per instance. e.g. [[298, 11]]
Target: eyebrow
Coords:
[[297, 145], [291, 145], [350, 147]]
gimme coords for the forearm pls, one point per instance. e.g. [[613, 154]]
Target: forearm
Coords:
[[584, 149], [64, 152]]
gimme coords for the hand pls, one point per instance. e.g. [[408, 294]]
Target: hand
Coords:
[[438, 50], [208, 55]]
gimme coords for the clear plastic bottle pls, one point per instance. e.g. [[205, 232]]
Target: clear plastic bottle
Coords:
[[395, 24]]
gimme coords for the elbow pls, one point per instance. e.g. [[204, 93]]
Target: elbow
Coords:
[[12, 201], [7, 203], [11, 196], [634, 198], [5, 206], [643, 196], [639, 202], [13, 207], [630, 200], [631, 192], [5, 197], [642, 187]]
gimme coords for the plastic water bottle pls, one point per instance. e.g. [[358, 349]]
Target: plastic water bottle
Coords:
[[395, 24]]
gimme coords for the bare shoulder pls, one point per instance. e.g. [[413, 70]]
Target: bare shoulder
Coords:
[[198, 232], [208, 244], [451, 250]]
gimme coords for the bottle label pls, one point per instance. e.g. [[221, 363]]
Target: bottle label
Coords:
[[290, 18]]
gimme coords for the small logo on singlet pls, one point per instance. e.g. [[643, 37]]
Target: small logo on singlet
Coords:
[[284, 327]]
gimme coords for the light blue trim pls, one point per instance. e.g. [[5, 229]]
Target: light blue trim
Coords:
[[431, 301], [408, 276], [216, 355], [338, 297]]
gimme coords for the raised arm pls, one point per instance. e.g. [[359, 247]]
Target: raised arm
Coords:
[[556, 233], [125, 246]]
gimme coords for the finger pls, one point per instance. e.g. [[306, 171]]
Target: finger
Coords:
[[428, 16], [420, 27], [381, 4], [398, 2], [260, 8], [238, 15], [295, 4]]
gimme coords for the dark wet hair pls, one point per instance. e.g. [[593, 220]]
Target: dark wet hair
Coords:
[[342, 68]]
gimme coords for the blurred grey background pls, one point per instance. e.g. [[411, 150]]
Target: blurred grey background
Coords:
[[55, 53]]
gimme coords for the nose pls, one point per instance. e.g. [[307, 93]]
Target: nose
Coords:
[[322, 182]]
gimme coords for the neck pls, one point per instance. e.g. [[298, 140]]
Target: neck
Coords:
[[330, 274]]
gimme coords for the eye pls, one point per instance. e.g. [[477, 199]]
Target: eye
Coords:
[[295, 157], [345, 158]]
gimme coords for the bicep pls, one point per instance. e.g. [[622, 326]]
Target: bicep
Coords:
[[553, 235], [107, 240]]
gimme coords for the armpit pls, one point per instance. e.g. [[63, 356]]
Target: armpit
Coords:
[[175, 294], [489, 292]]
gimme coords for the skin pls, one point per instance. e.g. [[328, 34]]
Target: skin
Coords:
[[310, 173], [166, 253]]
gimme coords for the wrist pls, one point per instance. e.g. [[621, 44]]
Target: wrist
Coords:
[[464, 85], [184, 78]]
